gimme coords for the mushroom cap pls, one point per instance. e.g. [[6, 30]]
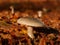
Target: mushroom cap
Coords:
[[30, 22]]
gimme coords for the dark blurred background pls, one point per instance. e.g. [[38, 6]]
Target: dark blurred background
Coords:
[[29, 4]]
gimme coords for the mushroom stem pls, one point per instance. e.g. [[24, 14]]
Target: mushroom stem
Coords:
[[39, 13], [30, 32], [12, 9]]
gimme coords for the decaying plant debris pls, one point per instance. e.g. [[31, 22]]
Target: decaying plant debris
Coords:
[[13, 33]]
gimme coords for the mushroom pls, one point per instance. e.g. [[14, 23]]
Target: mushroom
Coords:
[[12, 9], [30, 22], [37, 25], [39, 13]]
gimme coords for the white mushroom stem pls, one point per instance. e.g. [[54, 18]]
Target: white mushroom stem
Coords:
[[12, 9], [39, 13], [30, 32]]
